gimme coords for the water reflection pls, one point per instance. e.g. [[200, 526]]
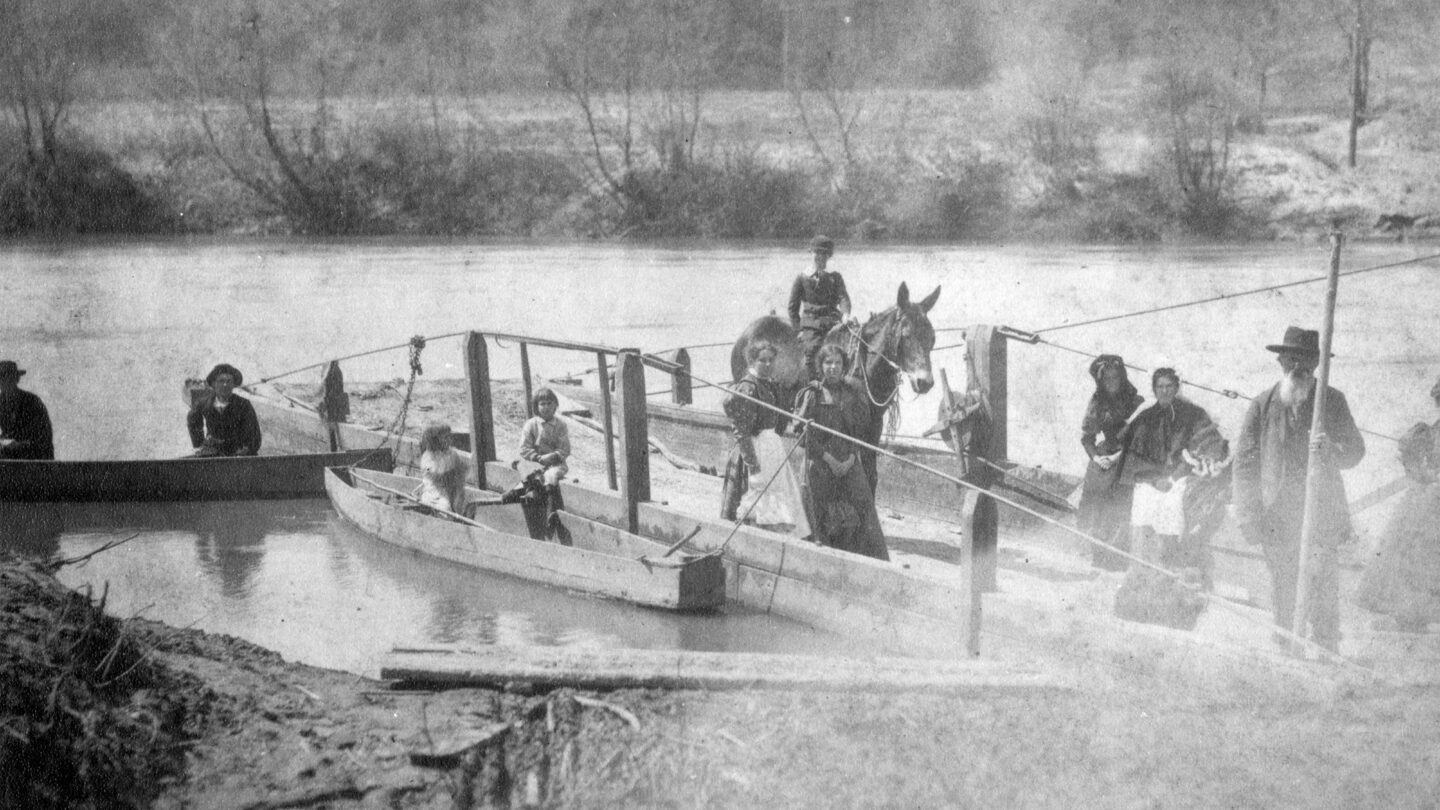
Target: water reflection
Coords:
[[230, 546], [294, 577]]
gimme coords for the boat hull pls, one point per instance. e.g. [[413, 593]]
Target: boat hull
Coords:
[[598, 560], [180, 479]]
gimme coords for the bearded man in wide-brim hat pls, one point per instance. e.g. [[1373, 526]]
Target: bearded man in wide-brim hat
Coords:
[[25, 431], [1272, 454]]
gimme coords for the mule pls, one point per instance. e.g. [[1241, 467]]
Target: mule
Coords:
[[895, 341]]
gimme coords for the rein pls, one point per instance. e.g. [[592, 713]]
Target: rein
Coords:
[[864, 370]]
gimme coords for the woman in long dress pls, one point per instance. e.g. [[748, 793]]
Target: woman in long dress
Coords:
[[1105, 499], [442, 471], [1403, 578], [842, 507], [760, 487]]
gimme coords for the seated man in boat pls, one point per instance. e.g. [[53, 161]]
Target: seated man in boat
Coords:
[[224, 423], [545, 439], [818, 301], [442, 471], [25, 431]]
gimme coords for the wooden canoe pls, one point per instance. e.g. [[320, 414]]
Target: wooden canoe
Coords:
[[598, 559], [220, 478]]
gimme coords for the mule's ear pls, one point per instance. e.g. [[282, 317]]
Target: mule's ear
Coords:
[[903, 299], [929, 301]]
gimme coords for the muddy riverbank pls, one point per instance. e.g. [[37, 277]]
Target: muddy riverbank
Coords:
[[248, 730]]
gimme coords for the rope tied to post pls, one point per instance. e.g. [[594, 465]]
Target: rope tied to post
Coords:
[[397, 428]]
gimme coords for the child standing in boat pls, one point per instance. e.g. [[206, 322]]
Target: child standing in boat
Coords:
[[442, 471], [545, 439]]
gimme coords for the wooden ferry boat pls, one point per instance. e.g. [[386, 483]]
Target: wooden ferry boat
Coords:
[[594, 559]]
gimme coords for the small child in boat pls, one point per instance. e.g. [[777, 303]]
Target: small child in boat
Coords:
[[545, 439], [442, 471]]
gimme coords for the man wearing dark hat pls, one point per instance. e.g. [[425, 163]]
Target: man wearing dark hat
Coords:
[[224, 423], [818, 301], [1271, 457], [24, 423]]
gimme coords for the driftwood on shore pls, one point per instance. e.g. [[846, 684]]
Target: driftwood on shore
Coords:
[[556, 667]]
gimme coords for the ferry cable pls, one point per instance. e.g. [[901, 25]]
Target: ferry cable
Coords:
[[1227, 296], [1228, 393], [1210, 598], [1224, 392], [404, 345]]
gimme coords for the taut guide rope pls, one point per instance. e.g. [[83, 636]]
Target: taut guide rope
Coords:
[[1209, 597]]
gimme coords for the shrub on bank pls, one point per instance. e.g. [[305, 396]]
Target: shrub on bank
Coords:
[[735, 197], [77, 190]]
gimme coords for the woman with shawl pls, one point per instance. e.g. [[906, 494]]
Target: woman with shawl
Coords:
[[842, 507], [1105, 499]]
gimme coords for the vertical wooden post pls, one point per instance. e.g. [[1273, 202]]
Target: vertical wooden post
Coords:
[[482, 414], [979, 517], [602, 371], [1319, 461], [525, 376], [680, 389], [988, 357], [634, 434]]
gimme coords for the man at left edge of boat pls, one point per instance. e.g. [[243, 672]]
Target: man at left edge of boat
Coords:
[[25, 431]]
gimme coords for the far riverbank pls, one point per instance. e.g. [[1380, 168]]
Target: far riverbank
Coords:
[[932, 166]]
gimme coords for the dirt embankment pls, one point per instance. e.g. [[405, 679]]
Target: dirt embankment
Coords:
[[100, 713]]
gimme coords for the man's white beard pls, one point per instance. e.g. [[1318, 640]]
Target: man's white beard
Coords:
[[1295, 386]]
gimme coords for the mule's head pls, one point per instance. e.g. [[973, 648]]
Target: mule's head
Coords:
[[915, 338]]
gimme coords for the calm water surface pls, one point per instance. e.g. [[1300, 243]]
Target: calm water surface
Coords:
[[109, 331]]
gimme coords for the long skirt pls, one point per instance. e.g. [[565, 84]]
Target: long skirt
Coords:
[[1105, 514], [777, 507], [842, 510], [1402, 579]]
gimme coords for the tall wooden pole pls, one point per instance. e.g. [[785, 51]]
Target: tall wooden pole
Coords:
[[1319, 462], [634, 434], [1356, 83], [607, 418], [482, 414]]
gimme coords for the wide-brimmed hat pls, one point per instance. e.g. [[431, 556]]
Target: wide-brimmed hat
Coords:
[[1298, 341], [9, 369], [822, 244], [225, 368]]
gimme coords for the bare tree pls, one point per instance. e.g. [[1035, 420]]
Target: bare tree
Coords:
[[637, 72], [43, 44], [240, 65]]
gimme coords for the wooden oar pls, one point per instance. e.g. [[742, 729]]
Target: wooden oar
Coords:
[[407, 496]]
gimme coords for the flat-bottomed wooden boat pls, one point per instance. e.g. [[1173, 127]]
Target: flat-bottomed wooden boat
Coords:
[[596, 559]]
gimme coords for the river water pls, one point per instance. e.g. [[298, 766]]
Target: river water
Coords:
[[108, 331]]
